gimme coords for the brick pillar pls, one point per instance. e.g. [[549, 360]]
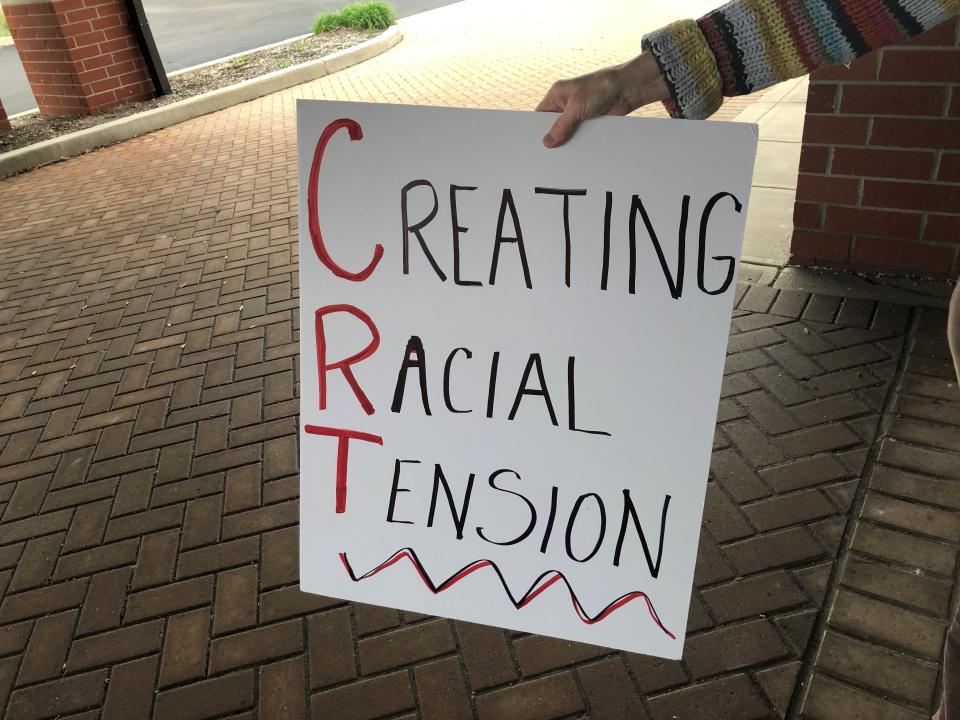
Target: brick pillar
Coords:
[[879, 185], [4, 123], [80, 56]]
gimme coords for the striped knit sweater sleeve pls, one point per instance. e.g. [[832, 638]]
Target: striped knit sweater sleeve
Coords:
[[747, 45]]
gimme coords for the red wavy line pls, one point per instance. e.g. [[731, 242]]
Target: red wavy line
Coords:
[[539, 586]]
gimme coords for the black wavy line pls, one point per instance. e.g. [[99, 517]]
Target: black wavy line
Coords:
[[517, 603]]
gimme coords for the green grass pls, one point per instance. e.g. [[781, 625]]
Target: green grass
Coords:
[[4, 30], [238, 63], [359, 16]]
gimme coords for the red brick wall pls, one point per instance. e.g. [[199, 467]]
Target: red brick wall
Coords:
[[879, 185], [4, 123], [80, 56]]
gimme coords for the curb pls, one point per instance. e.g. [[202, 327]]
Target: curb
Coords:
[[82, 141]]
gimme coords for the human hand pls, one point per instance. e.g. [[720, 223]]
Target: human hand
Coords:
[[615, 90]]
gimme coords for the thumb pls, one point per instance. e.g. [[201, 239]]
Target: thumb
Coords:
[[563, 127]]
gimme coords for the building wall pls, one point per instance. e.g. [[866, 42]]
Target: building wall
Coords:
[[80, 56], [879, 185]]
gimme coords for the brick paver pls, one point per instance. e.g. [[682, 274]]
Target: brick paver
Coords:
[[148, 438]]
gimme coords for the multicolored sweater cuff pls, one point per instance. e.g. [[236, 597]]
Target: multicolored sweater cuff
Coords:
[[747, 45], [688, 67]]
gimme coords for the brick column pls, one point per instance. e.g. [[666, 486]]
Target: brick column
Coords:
[[879, 185], [80, 56], [4, 123]]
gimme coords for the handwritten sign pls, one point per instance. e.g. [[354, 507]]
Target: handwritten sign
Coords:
[[511, 362]]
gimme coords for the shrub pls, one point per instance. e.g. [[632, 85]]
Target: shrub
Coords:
[[359, 16]]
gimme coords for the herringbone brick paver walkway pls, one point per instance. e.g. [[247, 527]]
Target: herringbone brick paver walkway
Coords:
[[148, 445]]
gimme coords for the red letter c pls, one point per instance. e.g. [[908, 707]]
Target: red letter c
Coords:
[[355, 134]]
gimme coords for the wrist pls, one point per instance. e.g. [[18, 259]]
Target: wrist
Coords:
[[641, 82]]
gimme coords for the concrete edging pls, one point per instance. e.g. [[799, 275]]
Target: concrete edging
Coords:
[[82, 141]]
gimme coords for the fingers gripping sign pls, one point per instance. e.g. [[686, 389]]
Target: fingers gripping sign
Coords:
[[612, 91], [576, 101]]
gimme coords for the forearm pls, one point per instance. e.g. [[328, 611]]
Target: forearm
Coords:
[[747, 45], [953, 329], [641, 82]]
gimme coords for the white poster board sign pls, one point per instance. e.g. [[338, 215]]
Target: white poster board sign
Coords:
[[511, 362]]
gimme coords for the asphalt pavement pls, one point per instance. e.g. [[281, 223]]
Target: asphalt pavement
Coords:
[[189, 33]]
